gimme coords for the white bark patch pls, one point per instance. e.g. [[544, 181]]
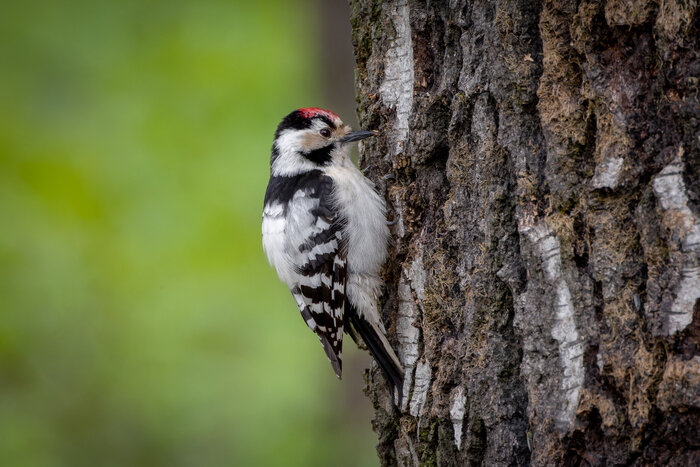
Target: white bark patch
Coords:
[[420, 388], [408, 335], [607, 173], [411, 293], [458, 402], [671, 193], [396, 90], [417, 277], [398, 209], [564, 330]]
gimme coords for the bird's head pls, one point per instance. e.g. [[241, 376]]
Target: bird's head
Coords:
[[309, 139]]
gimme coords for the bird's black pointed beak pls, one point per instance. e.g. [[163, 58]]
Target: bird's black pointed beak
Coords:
[[357, 136]]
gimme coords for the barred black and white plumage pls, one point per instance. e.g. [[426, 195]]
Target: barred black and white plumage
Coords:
[[324, 231]]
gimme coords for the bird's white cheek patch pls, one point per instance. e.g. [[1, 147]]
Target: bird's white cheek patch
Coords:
[[289, 161]]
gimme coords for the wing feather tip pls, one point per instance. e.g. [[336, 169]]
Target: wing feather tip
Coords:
[[335, 359]]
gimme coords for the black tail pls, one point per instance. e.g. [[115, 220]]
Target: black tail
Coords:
[[380, 349]]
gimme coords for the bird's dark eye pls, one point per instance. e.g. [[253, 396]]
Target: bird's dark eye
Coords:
[[325, 132]]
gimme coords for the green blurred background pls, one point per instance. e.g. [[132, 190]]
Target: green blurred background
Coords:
[[140, 324]]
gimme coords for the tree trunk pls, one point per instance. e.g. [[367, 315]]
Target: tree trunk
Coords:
[[543, 287]]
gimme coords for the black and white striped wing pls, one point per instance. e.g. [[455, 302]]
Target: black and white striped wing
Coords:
[[320, 293]]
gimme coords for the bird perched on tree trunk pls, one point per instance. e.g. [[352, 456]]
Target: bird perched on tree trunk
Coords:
[[325, 232]]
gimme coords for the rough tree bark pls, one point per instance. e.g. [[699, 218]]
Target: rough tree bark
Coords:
[[544, 281]]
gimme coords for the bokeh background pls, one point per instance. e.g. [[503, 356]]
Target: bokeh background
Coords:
[[140, 324]]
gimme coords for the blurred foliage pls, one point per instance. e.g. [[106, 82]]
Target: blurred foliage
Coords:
[[139, 321]]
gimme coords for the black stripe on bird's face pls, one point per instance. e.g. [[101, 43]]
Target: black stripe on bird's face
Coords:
[[320, 156]]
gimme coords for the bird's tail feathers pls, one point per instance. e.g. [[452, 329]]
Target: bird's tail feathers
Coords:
[[380, 348]]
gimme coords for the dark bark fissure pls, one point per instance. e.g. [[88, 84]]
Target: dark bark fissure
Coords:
[[540, 162]]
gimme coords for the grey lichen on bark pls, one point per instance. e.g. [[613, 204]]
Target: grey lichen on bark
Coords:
[[541, 164]]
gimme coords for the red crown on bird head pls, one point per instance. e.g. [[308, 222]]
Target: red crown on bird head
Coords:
[[311, 112]]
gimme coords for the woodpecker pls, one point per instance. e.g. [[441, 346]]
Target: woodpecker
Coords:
[[325, 232]]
